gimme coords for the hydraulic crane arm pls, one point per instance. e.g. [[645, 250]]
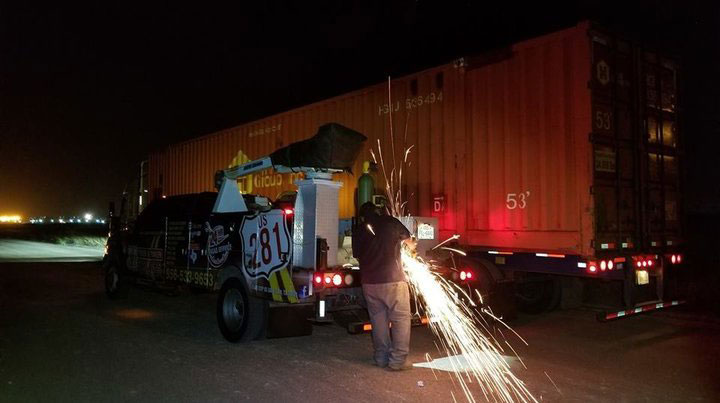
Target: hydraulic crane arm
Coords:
[[333, 149]]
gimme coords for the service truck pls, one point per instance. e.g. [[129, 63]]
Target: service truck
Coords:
[[274, 265]]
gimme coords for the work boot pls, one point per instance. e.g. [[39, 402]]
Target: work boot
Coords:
[[399, 367], [380, 364]]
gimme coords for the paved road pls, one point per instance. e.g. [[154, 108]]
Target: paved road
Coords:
[[62, 340], [12, 250]]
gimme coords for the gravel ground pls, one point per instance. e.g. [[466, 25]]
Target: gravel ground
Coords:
[[62, 340]]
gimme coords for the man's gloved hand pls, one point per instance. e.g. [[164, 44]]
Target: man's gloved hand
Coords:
[[410, 245]]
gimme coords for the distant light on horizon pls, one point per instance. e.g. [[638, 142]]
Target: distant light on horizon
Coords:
[[88, 217], [10, 219]]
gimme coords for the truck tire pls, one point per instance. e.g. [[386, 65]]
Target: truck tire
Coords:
[[240, 316], [537, 294], [116, 285]]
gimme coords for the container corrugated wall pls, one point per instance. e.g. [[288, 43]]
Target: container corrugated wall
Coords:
[[501, 150], [529, 125], [421, 100]]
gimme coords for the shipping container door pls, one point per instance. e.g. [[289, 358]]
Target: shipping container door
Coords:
[[660, 159], [614, 139]]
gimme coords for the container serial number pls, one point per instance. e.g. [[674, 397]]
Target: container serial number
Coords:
[[411, 103]]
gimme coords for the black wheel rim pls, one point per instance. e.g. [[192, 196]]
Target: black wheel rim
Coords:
[[531, 292], [233, 310]]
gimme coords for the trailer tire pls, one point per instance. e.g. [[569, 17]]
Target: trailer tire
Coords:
[[116, 284], [240, 316], [537, 294]]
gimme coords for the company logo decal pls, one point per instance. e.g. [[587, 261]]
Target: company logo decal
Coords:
[[218, 249]]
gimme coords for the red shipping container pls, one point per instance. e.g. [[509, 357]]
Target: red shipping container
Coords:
[[565, 143]]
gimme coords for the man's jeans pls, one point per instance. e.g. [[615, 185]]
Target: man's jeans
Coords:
[[389, 303]]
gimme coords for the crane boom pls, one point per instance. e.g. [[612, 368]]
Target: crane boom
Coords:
[[331, 150]]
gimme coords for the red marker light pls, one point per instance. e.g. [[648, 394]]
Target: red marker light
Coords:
[[639, 264], [469, 275], [679, 258], [327, 280], [673, 259], [318, 279], [288, 211], [592, 269], [610, 264], [603, 265], [337, 279], [650, 262], [463, 276], [644, 263]]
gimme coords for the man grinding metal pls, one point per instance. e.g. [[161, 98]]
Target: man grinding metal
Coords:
[[377, 240]]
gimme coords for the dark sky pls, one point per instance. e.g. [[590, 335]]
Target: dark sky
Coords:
[[87, 91]]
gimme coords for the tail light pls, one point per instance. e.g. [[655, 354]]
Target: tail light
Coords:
[[592, 268], [673, 259], [466, 275], [288, 211], [337, 279], [605, 265], [644, 262], [333, 279]]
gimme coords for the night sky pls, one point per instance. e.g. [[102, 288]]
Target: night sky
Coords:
[[86, 92]]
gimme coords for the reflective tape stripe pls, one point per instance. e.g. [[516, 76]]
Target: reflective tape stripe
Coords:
[[641, 309], [275, 287], [289, 286]]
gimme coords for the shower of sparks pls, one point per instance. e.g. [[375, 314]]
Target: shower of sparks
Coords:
[[452, 321], [458, 251], [461, 332], [452, 238]]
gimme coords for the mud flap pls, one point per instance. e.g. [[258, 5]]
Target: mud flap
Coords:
[[285, 320]]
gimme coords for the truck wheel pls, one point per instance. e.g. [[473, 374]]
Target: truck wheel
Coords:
[[116, 285], [536, 295], [240, 317]]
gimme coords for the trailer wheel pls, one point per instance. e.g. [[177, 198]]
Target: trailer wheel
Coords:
[[240, 317], [537, 294], [116, 285]]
